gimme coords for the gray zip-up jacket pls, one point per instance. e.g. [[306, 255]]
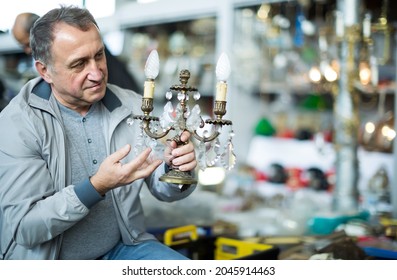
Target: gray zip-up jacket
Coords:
[[37, 201]]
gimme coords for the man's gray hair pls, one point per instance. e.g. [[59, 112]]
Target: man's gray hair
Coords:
[[42, 32]]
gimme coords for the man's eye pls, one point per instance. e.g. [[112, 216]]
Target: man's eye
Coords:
[[99, 55], [78, 64]]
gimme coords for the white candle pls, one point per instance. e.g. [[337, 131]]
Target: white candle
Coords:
[[148, 89], [221, 89], [151, 71], [222, 74]]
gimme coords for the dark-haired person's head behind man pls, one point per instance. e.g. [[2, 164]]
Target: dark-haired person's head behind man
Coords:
[[21, 29]]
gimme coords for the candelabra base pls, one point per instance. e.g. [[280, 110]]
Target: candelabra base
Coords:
[[178, 177]]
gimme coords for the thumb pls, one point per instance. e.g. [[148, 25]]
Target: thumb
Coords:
[[185, 136]]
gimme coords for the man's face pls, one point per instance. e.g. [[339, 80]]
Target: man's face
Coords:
[[78, 71]]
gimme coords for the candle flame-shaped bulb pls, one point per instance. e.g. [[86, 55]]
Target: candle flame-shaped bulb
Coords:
[[152, 65], [223, 68]]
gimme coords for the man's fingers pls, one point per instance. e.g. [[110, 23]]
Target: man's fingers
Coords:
[[139, 160], [189, 166], [182, 150], [184, 158], [120, 154], [147, 170], [185, 136]]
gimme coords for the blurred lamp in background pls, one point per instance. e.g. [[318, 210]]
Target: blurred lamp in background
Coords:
[[211, 176]]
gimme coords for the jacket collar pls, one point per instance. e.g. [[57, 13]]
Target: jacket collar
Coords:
[[43, 90]]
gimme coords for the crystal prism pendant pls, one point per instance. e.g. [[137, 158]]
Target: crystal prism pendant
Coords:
[[194, 120], [167, 119], [168, 95], [140, 143], [201, 156], [213, 152], [228, 157], [130, 121]]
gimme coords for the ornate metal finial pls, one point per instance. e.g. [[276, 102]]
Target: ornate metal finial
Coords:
[[184, 76]]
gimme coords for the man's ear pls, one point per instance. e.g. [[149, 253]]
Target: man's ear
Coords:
[[43, 71]]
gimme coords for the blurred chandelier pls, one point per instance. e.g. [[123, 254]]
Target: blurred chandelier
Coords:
[[372, 40]]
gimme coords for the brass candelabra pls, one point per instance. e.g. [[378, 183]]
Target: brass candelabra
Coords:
[[183, 118]]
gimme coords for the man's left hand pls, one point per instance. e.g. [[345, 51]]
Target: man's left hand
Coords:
[[182, 157]]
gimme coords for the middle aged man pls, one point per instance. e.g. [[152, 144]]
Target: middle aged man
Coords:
[[69, 183]]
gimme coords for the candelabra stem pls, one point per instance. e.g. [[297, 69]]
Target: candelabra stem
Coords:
[[176, 176]]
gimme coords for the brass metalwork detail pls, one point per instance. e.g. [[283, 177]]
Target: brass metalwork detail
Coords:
[[175, 176]]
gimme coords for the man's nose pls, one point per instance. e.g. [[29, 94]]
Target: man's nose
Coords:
[[95, 72]]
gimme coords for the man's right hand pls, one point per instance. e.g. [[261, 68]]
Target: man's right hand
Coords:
[[112, 173]]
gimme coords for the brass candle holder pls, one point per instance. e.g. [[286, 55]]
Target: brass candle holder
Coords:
[[183, 118]]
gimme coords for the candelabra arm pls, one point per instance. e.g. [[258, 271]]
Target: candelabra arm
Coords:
[[205, 139], [151, 134]]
